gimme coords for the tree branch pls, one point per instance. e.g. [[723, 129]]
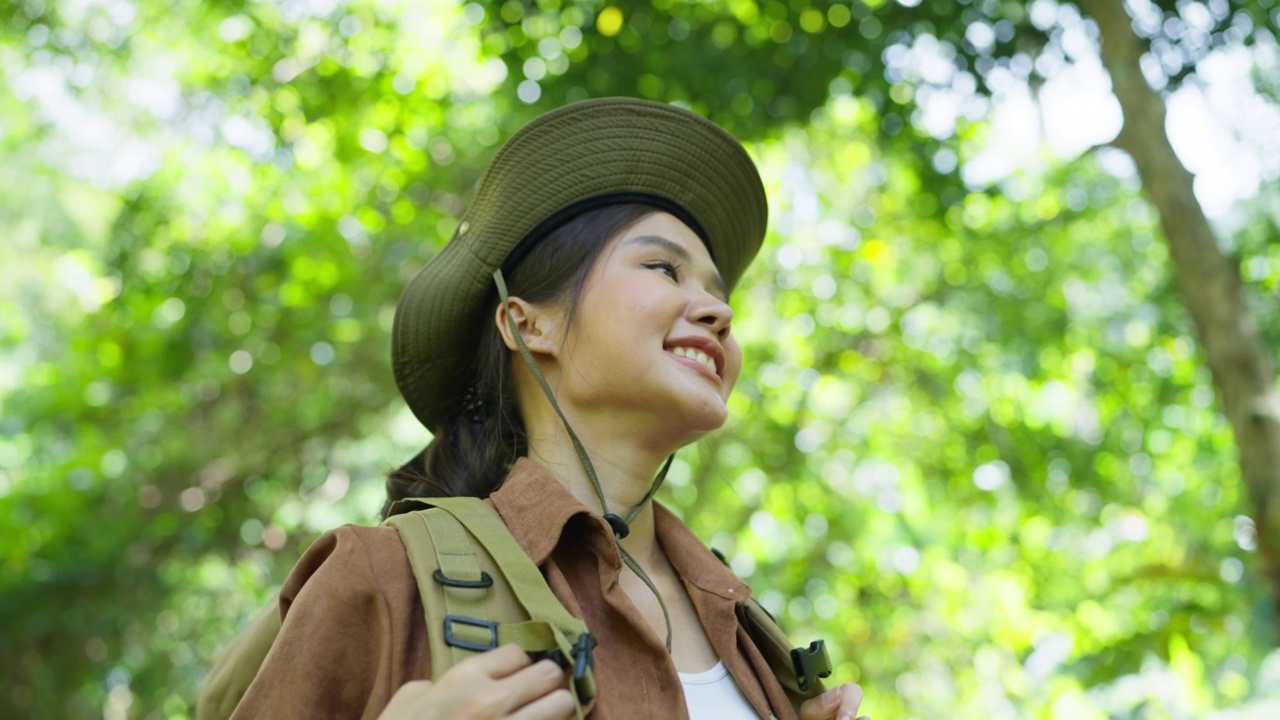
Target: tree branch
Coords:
[[1242, 369]]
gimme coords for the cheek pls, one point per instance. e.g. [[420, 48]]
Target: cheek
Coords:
[[609, 337], [732, 364]]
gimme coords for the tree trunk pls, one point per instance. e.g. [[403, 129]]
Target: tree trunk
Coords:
[[1242, 367]]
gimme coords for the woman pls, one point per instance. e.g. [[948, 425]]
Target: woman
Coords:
[[573, 334]]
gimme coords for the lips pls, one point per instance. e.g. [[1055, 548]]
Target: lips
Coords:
[[707, 353], [697, 356]]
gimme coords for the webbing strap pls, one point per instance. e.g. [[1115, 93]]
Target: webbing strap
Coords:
[[546, 390], [517, 568], [441, 539], [777, 650], [421, 551], [422, 533], [457, 562], [535, 636], [524, 578]]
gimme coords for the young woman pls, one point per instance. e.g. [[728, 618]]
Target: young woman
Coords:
[[573, 334]]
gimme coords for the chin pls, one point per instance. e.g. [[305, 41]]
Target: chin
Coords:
[[689, 427], [690, 438], [705, 418]]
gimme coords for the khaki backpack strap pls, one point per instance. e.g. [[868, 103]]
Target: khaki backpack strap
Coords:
[[454, 576], [422, 536], [525, 579], [798, 670], [450, 581], [521, 574], [421, 550]]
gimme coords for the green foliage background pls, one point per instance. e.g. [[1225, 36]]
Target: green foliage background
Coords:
[[975, 446]]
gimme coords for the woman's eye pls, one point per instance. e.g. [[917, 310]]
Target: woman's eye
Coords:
[[665, 268]]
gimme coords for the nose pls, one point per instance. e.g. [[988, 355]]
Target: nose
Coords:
[[712, 313]]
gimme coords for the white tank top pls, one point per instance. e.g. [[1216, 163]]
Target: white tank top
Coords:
[[714, 694]]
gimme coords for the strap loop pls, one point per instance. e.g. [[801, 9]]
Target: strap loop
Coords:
[[452, 639], [485, 580]]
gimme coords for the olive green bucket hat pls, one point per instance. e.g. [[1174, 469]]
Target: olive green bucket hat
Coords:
[[566, 162]]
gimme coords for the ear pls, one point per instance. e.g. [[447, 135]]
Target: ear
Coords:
[[537, 325]]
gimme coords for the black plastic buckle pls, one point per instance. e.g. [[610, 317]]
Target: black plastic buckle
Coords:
[[583, 660], [450, 639], [484, 581], [811, 664]]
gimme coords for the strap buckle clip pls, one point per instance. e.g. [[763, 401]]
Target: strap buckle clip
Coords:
[[811, 664], [583, 660], [455, 641]]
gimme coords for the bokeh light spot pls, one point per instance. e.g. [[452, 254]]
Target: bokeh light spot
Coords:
[[609, 21]]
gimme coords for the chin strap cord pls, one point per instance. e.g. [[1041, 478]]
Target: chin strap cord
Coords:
[[621, 528]]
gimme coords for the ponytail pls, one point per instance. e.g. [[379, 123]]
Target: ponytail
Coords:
[[465, 459]]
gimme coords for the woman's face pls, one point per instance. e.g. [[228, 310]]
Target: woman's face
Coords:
[[650, 337]]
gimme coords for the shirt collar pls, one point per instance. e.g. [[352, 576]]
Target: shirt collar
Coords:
[[536, 508], [693, 560]]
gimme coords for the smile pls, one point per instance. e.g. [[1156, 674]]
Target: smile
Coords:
[[703, 360]]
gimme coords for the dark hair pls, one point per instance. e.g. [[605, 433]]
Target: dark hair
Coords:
[[484, 434]]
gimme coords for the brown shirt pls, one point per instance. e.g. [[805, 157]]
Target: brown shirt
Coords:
[[353, 629]]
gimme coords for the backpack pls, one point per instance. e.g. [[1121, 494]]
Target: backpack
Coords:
[[478, 585]]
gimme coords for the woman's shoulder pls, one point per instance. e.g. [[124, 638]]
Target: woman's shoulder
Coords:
[[351, 608], [352, 560]]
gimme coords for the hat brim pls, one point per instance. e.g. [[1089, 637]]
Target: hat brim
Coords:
[[563, 163]]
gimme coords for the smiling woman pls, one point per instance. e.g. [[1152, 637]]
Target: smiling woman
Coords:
[[571, 337]]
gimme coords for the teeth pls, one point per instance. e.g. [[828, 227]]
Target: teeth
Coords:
[[696, 355]]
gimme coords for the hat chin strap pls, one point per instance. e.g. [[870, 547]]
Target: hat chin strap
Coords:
[[621, 527]]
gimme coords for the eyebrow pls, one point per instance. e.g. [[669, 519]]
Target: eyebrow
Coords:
[[678, 250]]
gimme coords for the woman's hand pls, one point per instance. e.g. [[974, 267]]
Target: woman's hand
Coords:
[[840, 703], [500, 683]]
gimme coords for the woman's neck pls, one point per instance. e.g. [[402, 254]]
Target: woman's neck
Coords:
[[626, 473]]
